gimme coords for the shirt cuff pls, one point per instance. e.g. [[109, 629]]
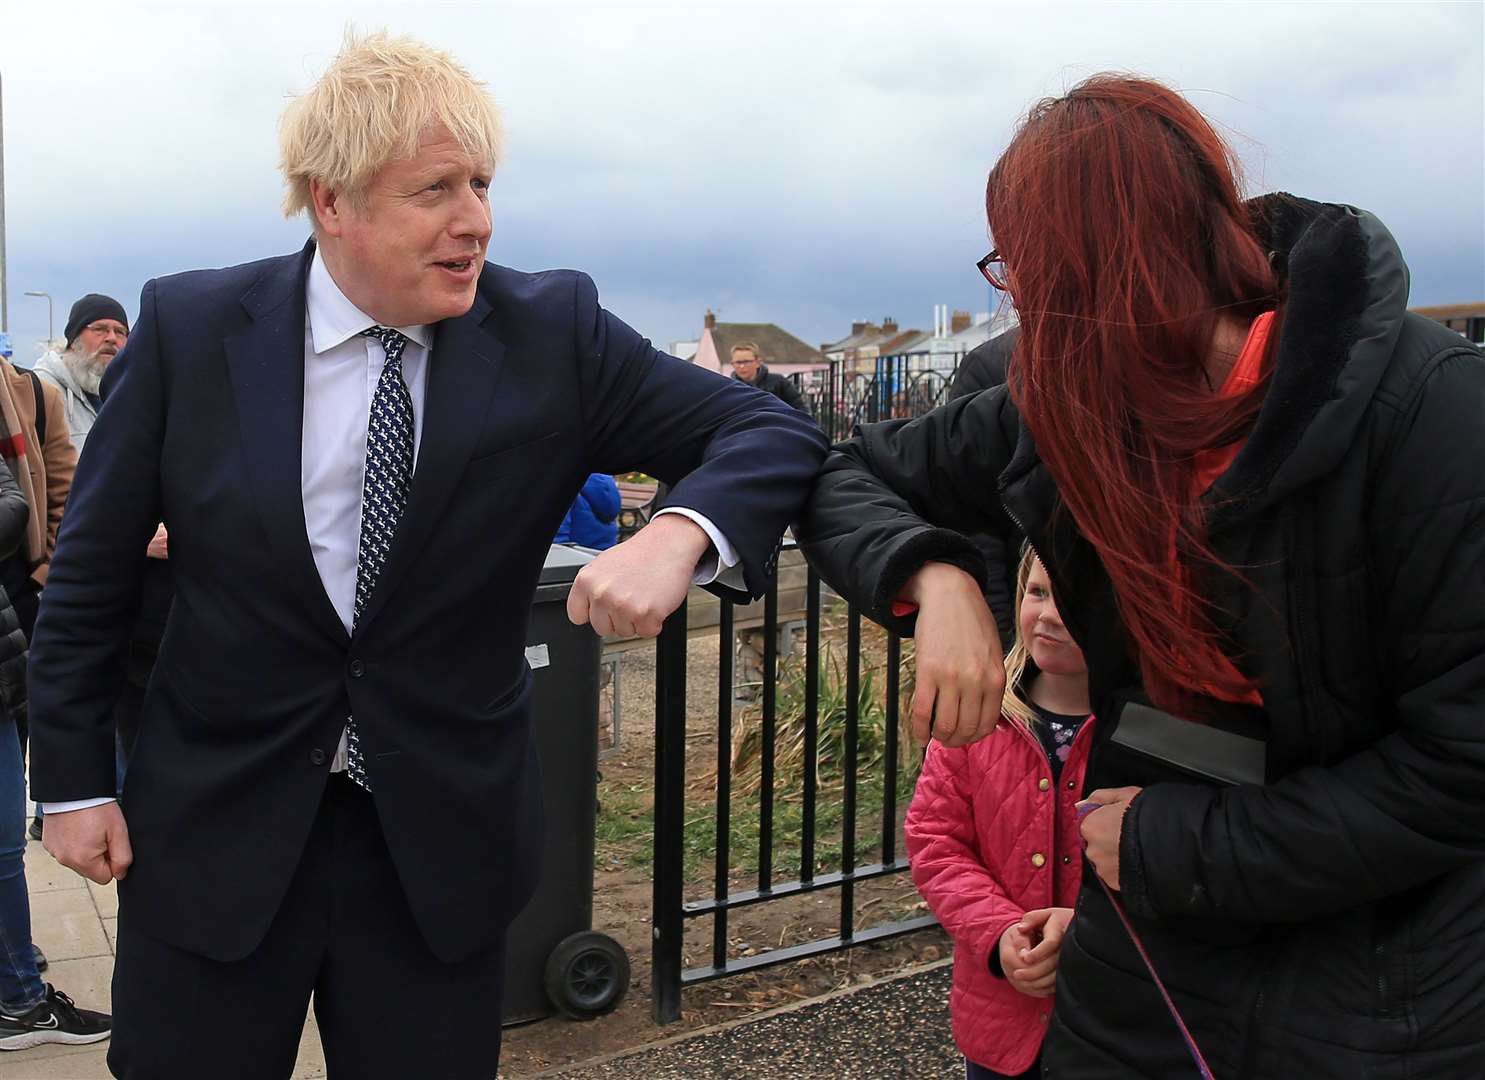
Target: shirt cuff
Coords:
[[49, 808], [720, 559]]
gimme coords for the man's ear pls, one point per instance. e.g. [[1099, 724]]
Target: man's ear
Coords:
[[328, 208]]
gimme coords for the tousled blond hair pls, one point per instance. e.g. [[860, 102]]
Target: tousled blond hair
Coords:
[[371, 106], [748, 346]]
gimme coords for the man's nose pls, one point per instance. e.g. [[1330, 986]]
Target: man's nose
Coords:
[[472, 218]]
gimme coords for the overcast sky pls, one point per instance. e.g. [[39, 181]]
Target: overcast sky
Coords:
[[802, 163]]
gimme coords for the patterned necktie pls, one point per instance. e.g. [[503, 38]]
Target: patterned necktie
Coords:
[[389, 468]]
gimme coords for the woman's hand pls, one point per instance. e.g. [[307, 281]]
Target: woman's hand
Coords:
[[961, 673], [1102, 825]]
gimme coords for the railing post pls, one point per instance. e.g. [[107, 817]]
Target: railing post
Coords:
[[770, 732], [722, 871], [811, 722], [667, 921], [836, 394], [889, 779], [848, 792]]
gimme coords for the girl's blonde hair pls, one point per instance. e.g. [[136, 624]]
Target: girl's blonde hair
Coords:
[[371, 106], [1014, 706]]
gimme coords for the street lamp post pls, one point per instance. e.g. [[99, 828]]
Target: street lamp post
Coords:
[[50, 335]]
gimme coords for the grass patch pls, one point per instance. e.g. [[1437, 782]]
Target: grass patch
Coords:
[[625, 832]]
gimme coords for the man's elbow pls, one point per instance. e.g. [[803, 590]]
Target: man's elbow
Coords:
[[801, 420]]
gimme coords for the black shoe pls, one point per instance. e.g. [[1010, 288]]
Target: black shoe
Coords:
[[55, 1020], [41, 964], [34, 832]]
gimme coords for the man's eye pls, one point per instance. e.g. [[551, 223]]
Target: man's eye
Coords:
[[481, 184]]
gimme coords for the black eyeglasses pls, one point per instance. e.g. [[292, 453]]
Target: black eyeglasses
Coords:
[[993, 267]]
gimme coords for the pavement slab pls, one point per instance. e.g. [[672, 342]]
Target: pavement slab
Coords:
[[66, 925], [311, 1062], [892, 1029], [87, 1063], [105, 899], [76, 923]]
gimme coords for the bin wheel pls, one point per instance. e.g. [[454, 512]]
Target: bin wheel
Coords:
[[587, 975]]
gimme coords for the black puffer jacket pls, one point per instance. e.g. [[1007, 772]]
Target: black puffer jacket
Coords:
[[983, 368], [15, 514], [1331, 922]]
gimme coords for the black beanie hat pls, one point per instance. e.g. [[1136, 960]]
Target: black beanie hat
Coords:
[[90, 309]]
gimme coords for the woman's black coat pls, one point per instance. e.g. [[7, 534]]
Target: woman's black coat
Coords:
[[1330, 922]]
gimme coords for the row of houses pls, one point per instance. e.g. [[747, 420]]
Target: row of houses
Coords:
[[871, 348], [864, 351], [940, 349]]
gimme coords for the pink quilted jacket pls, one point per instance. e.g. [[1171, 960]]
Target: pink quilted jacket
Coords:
[[990, 838]]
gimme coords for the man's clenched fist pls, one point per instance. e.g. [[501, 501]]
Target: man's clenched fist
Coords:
[[94, 842], [629, 590]]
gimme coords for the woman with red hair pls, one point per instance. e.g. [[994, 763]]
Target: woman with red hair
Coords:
[[1258, 487]]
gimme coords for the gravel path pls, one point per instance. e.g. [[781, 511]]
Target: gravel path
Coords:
[[896, 1028]]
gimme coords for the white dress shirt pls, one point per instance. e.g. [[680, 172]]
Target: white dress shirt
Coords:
[[341, 370]]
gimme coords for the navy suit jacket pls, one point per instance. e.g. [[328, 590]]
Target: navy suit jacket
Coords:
[[530, 392]]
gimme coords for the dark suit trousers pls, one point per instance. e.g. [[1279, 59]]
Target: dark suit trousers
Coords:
[[387, 1008]]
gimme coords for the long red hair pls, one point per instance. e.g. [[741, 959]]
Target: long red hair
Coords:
[[1126, 241]]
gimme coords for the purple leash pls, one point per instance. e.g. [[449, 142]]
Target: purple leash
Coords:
[[1084, 810]]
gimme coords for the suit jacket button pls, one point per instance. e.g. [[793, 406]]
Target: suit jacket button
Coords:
[[357, 668], [318, 757]]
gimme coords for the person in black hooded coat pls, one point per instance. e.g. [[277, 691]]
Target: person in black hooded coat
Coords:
[[983, 368], [1326, 918], [14, 513]]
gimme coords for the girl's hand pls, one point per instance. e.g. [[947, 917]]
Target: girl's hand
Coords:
[[1103, 822], [1014, 943], [1036, 971], [960, 670]]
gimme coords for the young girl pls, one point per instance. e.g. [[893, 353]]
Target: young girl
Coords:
[[993, 838]]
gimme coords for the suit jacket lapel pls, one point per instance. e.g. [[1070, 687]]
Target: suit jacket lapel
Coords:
[[463, 368], [266, 365]]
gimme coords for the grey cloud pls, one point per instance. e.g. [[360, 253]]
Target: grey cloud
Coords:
[[806, 163]]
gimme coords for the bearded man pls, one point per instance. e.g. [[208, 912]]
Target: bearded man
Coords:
[[97, 329]]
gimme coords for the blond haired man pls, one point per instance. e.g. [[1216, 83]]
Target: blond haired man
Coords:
[[361, 451]]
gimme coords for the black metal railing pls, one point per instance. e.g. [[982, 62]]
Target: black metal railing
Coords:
[[672, 911], [895, 386]]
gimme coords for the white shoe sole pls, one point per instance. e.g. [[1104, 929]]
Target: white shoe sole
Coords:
[[28, 1039]]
